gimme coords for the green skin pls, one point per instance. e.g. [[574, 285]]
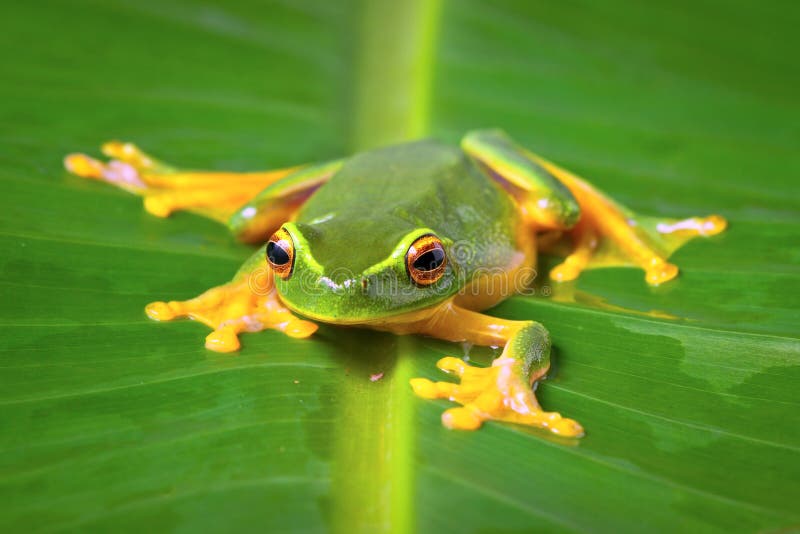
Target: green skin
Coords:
[[352, 233], [360, 225]]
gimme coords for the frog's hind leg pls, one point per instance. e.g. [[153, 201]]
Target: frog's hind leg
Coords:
[[248, 303], [609, 234], [167, 189], [602, 233], [503, 391]]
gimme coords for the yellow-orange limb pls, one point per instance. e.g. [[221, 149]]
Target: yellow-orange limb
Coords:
[[247, 304], [503, 391], [165, 189], [612, 222], [585, 242]]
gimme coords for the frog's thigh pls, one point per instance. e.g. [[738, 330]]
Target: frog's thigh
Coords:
[[167, 189], [503, 391], [249, 303], [260, 216], [545, 202]]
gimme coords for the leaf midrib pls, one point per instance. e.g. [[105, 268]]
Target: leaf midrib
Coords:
[[386, 426]]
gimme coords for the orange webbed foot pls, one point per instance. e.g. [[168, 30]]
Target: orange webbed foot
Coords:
[[498, 393], [232, 309]]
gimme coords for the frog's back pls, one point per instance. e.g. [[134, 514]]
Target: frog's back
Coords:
[[382, 195]]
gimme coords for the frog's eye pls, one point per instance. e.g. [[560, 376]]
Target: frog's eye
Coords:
[[426, 260], [280, 253]]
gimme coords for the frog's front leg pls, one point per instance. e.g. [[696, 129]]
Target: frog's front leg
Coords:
[[248, 303], [502, 392], [602, 232]]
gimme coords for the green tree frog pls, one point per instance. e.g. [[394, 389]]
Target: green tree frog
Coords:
[[417, 238]]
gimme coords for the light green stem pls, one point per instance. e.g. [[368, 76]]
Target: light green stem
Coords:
[[395, 71], [373, 486]]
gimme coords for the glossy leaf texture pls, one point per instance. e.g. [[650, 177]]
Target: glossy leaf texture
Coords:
[[688, 392]]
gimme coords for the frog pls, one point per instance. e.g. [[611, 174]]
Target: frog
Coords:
[[418, 238]]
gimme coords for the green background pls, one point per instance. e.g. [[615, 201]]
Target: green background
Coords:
[[109, 421]]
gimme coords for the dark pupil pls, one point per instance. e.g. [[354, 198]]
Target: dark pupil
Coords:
[[430, 260], [276, 254]]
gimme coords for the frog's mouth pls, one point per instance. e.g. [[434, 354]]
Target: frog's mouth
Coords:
[[383, 321]]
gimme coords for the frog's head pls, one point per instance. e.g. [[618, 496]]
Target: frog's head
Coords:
[[345, 277]]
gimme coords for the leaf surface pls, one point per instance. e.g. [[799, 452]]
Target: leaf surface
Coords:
[[687, 392]]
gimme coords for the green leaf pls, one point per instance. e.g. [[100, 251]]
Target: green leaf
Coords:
[[688, 392]]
